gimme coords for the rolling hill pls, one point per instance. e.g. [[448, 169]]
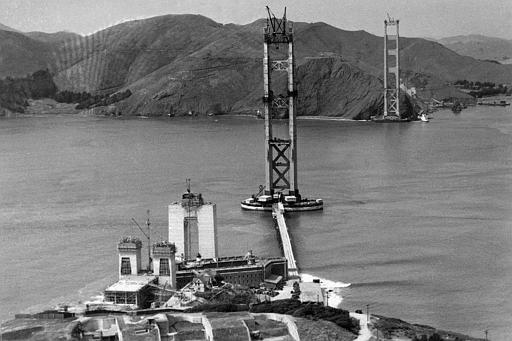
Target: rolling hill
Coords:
[[21, 55], [52, 38], [181, 63], [7, 28], [480, 47]]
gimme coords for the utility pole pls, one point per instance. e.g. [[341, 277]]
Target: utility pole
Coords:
[[148, 236], [149, 242], [368, 313]]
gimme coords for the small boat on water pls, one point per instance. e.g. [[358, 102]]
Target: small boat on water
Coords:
[[494, 103], [423, 117]]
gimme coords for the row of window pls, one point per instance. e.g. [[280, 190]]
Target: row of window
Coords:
[[126, 268], [121, 297], [164, 267], [244, 278]]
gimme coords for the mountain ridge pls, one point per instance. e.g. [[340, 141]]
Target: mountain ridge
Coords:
[[480, 47], [181, 63], [7, 28]]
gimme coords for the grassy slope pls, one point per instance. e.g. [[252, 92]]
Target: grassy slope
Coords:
[[21, 55], [480, 47]]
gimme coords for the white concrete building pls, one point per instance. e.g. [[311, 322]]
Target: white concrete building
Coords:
[[193, 227]]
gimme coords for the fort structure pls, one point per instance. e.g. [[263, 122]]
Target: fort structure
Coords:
[[249, 271], [193, 226], [136, 287]]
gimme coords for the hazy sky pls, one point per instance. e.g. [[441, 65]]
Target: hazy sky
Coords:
[[418, 18]]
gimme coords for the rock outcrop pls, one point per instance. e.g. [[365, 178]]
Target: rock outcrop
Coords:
[[332, 87]]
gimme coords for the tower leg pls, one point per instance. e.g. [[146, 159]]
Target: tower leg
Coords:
[[397, 60], [268, 123], [385, 69], [294, 186]]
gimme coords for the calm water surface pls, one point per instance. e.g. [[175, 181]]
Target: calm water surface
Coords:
[[418, 217]]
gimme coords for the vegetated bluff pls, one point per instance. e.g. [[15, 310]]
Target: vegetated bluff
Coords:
[[181, 63]]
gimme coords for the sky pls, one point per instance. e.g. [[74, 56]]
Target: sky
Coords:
[[418, 18]]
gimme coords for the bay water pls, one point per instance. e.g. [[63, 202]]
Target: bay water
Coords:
[[418, 216]]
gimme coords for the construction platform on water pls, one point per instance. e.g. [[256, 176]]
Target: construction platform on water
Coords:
[[290, 203]]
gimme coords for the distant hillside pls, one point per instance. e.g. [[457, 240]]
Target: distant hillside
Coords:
[[480, 47], [181, 63], [7, 28], [145, 45], [24, 53], [21, 55], [53, 38]]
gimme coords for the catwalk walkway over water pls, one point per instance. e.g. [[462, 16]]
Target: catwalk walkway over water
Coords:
[[278, 214]]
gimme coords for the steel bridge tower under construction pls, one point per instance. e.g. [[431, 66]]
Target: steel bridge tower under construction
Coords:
[[391, 68], [280, 151]]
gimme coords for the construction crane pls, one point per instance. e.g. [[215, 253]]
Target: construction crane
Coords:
[[147, 235]]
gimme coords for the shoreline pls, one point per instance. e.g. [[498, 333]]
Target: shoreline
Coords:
[[49, 107], [386, 327]]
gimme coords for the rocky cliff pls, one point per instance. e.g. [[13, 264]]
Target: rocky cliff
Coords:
[[332, 87]]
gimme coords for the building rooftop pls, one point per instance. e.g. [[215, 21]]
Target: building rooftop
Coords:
[[189, 199], [131, 283], [128, 241], [226, 262]]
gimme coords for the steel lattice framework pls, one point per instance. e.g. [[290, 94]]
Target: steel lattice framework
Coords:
[[391, 68], [281, 153]]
